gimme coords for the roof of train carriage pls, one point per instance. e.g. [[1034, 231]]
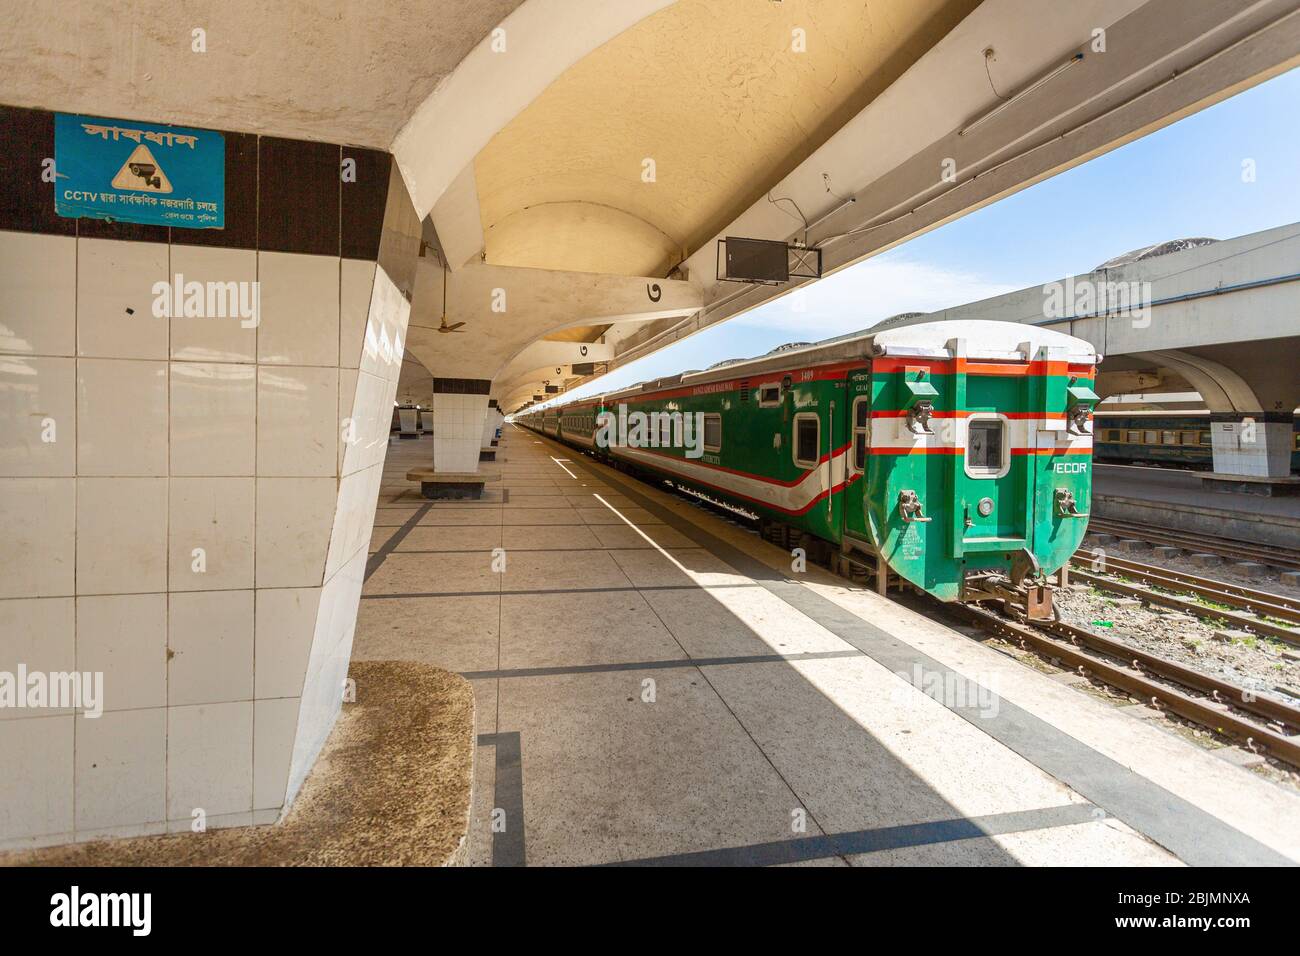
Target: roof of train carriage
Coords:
[[997, 341]]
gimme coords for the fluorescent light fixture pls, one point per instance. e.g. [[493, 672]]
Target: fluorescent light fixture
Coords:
[[980, 121]]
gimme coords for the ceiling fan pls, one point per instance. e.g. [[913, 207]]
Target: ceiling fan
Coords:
[[444, 327]]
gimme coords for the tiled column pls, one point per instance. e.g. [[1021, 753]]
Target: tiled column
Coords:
[[1259, 445], [491, 420], [459, 409], [186, 502]]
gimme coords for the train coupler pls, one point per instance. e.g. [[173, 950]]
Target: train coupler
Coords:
[[1030, 599]]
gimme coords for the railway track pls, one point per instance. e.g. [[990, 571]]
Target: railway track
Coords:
[[1273, 615], [1260, 722], [1285, 558]]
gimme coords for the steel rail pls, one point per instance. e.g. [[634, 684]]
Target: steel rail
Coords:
[[1264, 554], [1237, 595], [1287, 634], [1074, 645]]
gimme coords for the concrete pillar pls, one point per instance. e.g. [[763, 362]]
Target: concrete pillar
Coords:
[[1257, 445], [491, 422], [459, 408], [186, 500]]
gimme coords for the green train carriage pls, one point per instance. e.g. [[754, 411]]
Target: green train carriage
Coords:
[[955, 454]]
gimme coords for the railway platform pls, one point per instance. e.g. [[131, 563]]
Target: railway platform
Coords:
[[1178, 500], [655, 684]]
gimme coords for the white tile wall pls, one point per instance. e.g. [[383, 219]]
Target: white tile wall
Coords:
[[209, 760], [274, 723], [121, 768], [172, 434], [38, 311], [36, 798], [215, 338], [458, 431], [286, 623], [115, 299], [294, 518], [300, 309], [38, 633], [213, 419], [124, 637], [121, 535], [38, 516], [213, 516], [297, 421], [121, 417], [210, 636], [1255, 448], [356, 284], [38, 416]]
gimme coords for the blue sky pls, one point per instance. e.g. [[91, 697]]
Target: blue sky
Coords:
[[1184, 180]]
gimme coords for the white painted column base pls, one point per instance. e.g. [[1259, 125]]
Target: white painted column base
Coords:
[[1252, 447], [457, 432]]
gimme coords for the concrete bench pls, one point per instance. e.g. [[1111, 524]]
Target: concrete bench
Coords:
[[449, 484]]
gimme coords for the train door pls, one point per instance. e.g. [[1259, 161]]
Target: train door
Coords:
[[990, 523], [857, 422]]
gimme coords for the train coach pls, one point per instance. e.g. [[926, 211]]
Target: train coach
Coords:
[[956, 455], [1171, 439]]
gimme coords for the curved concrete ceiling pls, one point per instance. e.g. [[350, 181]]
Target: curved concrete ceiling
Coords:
[[715, 94], [343, 72]]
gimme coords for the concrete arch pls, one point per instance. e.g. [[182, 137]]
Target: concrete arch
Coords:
[[1222, 389], [490, 86], [535, 303], [544, 355]]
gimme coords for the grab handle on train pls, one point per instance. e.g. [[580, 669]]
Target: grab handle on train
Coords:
[[1066, 507], [909, 506]]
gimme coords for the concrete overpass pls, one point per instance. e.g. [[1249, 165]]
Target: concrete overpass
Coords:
[[1221, 319], [194, 496]]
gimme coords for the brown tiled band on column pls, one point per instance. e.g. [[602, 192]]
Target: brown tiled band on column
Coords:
[[26, 198], [241, 200], [461, 386], [282, 195], [298, 187]]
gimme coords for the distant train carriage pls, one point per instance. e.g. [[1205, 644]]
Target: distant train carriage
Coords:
[[1169, 438], [955, 454]]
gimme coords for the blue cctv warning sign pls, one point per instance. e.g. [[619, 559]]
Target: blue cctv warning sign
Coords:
[[125, 171]]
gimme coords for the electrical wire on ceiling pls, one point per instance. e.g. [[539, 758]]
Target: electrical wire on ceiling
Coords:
[[802, 217]]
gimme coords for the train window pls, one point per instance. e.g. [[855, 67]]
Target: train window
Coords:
[[861, 439], [713, 433], [1191, 438], [1150, 437], [1169, 438], [987, 453], [769, 395], [1134, 438], [807, 439], [1205, 438], [1112, 434]]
